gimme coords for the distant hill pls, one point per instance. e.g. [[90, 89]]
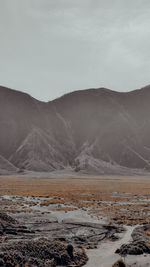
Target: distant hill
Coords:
[[94, 130]]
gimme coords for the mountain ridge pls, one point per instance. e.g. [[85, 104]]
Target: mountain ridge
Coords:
[[147, 87], [45, 136]]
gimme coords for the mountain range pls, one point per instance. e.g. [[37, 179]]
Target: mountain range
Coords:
[[94, 131]]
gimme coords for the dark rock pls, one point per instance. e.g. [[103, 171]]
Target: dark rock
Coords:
[[40, 251], [6, 218], [134, 248], [65, 259], [70, 251], [119, 263], [1, 262], [114, 237]]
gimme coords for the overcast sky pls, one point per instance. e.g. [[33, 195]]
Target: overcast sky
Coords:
[[51, 47]]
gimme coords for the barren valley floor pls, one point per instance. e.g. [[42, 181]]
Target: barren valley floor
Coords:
[[97, 214]]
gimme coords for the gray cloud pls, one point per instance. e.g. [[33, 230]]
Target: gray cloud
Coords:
[[49, 48]]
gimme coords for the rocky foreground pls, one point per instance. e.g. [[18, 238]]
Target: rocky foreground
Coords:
[[34, 251], [40, 231], [140, 242], [49, 243], [41, 242], [42, 252]]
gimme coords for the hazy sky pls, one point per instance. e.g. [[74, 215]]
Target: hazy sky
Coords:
[[51, 47]]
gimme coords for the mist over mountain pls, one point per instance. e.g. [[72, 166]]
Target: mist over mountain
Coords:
[[94, 130]]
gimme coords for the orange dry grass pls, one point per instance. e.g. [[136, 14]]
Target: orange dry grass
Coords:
[[96, 194], [93, 189]]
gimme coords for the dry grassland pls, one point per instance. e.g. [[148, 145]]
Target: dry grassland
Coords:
[[123, 199]]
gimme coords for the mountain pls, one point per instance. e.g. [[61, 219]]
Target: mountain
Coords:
[[94, 130], [6, 167]]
